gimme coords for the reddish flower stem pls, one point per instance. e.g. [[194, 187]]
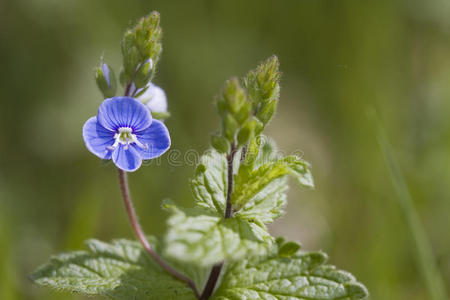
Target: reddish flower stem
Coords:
[[141, 236]]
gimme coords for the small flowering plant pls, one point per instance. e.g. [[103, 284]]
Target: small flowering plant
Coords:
[[220, 248]]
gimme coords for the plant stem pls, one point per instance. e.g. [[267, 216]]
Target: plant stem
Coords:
[[230, 159], [138, 229], [127, 89], [141, 236], [217, 268], [212, 280]]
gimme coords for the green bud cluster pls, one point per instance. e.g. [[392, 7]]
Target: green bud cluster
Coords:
[[263, 88], [141, 47], [247, 106]]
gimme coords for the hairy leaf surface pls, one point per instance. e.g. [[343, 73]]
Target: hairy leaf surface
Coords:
[[260, 193], [203, 239], [209, 185], [300, 277], [120, 270]]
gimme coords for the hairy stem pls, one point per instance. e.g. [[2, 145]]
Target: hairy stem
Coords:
[[217, 268], [141, 236]]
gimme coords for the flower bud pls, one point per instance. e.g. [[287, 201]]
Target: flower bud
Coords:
[[155, 98], [220, 143], [248, 131], [230, 126], [234, 95], [266, 113], [263, 88], [106, 80], [131, 56], [143, 73], [221, 106], [244, 112], [244, 134], [141, 47]]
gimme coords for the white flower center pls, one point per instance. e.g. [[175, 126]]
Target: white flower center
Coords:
[[125, 137]]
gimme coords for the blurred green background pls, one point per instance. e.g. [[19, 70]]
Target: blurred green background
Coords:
[[338, 58]]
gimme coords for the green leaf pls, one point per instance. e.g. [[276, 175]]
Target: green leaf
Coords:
[[260, 150], [210, 182], [259, 186], [259, 194], [266, 205], [160, 115], [300, 170], [120, 270], [205, 239], [264, 187], [288, 249], [301, 277]]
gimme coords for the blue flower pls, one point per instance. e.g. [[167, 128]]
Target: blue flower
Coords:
[[124, 131]]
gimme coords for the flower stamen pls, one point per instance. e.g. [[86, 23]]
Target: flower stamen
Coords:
[[125, 137]]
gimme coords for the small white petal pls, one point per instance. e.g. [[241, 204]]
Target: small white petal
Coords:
[[155, 98]]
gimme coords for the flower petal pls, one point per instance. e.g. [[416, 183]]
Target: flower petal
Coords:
[[155, 98], [97, 138], [156, 138], [128, 160], [124, 112]]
